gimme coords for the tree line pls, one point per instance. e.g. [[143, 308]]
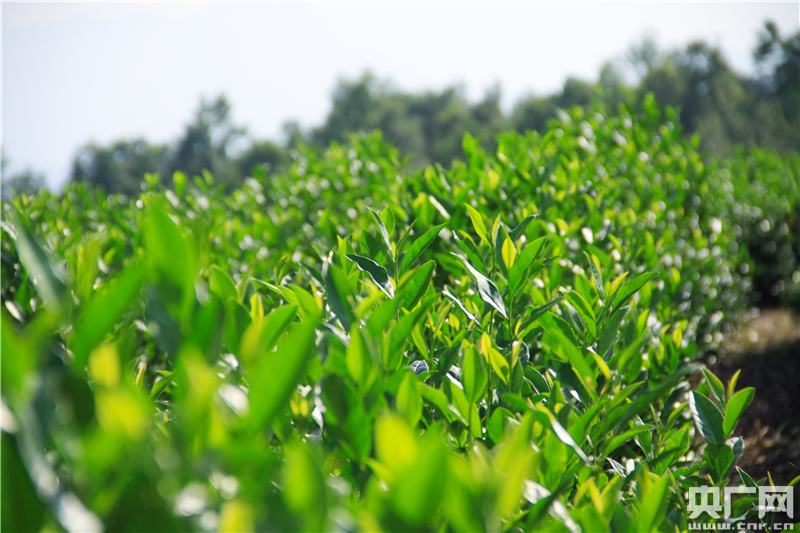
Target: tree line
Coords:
[[725, 108]]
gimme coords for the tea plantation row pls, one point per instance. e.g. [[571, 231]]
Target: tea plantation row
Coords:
[[506, 344]]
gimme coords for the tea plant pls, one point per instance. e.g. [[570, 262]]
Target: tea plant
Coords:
[[504, 345]]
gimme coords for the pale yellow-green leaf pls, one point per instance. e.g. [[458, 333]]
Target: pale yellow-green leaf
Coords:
[[104, 366], [477, 223], [509, 253]]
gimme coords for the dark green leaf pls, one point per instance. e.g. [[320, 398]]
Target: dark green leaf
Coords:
[[707, 418], [521, 227], [415, 288], [584, 309], [387, 242], [277, 374], [517, 273], [487, 290], [598, 279], [338, 291], [609, 332], [537, 312], [736, 407], [103, 311], [459, 303], [419, 246], [627, 290], [717, 388], [375, 271], [39, 268]]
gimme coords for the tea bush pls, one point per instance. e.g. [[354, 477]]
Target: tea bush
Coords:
[[504, 344]]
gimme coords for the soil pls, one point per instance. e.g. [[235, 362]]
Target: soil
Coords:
[[767, 351]]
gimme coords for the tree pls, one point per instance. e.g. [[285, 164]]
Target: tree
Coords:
[[715, 102], [26, 182], [266, 154], [119, 168], [782, 81], [207, 141]]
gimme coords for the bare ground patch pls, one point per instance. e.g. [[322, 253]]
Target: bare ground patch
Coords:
[[767, 350]]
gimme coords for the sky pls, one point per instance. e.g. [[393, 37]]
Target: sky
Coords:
[[74, 73]]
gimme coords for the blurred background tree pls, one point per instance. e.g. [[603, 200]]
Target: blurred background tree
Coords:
[[725, 108], [25, 182], [120, 167]]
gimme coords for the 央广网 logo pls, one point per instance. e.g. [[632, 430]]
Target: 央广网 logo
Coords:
[[770, 500]]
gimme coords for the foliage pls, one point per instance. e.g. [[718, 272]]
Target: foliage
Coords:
[[768, 219], [348, 344], [428, 126]]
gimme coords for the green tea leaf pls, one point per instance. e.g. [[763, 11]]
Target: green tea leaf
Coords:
[[419, 246], [585, 310], [736, 407], [546, 418], [477, 223], [717, 388], [167, 249], [415, 288], [609, 332], [401, 332], [509, 253], [358, 359], [261, 336], [654, 506], [375, 271], [420, 488], [621, 439], [517, 272], [598, 279], [627, 290], [436, 398], [102, 311], [304, 491], [707, 418], [537, 312], [409, 403], [338, 291], [387, 242], [496, 425], [381, 316], [496, 359], [221, 284], [39, 268], [467, 246], [486, 289], [474, 375], [459, 303], [720, 459], [515, 233], [277, 374]]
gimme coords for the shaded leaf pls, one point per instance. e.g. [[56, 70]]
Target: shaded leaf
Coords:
[[736, 406], [387, 242], [487, 290], [419, 246], [707, 418], [375, 271], [276, 376]]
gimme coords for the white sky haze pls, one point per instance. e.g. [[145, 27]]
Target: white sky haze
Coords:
[[79, 72]]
